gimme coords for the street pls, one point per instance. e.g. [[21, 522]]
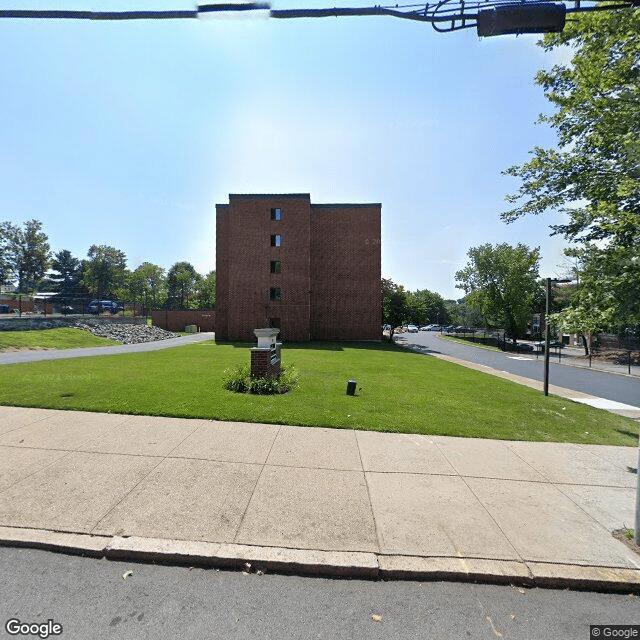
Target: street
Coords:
[[616, 387], [90, 598]]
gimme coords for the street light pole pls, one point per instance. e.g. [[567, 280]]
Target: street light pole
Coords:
[[547, 333], [547, 339]]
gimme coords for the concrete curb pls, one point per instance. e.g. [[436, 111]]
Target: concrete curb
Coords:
[[336, 564]]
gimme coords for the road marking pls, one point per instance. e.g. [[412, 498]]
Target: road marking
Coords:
[[519, 358]]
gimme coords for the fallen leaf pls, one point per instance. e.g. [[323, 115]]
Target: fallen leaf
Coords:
[[512, 616], [376, 617], [126, 574]]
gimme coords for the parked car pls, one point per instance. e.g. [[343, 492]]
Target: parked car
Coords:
[[523, 346], [411, 328], [66, 309], [5, 308], [97, 306]]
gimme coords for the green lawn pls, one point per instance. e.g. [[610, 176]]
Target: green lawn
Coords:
[[61, 338], [398, 391]]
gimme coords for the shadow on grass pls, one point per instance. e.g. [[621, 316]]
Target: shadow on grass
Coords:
[[624, 432], [321, 345]]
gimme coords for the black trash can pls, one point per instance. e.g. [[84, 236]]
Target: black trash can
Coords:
[[351, 388]]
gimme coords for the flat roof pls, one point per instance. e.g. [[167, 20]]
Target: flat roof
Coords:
[[357, 205], [249, 196]]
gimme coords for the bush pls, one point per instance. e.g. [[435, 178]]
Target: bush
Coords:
[[239, 380]]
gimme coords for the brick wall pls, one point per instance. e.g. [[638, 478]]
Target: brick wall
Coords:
[[261, 366], [244, 255], [346, 298], [330, 269], [178, 320]]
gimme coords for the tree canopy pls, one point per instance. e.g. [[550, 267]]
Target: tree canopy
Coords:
[[105, 271], [24, 254], [593, 177], [501, 283]]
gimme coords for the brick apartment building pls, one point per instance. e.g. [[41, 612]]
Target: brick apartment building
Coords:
[[312, 270]]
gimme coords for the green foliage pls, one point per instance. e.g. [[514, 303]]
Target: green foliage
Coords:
[[182, 281], [593, 177], [66, 277], [459, 312], [426, 307], [104, 271], [238, 379], [394, 304], [147, 285], [501, 283], [207, 291], [24, 254]]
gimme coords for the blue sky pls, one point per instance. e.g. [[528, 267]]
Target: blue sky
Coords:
[[129, 133]]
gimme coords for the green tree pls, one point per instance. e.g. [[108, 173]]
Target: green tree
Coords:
[[66, 278], [105, 271], [501, 283], [182, 280], [426, 307], [8, 233], [207, 291], [25, 254], [461, 313], [394, 304], [593, 177], [147, 285]]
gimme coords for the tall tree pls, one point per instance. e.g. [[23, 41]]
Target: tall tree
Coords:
[[501, 282], [105, 271], [8, 233], [593, 177], [426, 306], [182, 279], [147, 284], [25, 254], [207, 291], [67, 276], [394, 304]]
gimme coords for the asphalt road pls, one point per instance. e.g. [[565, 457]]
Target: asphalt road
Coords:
[[91, 599], [611, 386]]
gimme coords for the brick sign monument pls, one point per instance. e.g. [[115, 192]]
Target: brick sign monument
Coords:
[[265, 358]]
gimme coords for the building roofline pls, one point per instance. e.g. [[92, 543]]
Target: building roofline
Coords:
[[249, 196], [346, 205]]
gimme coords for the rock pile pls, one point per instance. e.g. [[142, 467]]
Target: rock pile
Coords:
[[127, 333]]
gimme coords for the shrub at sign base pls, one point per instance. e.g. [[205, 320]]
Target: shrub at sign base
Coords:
[[239, 380]]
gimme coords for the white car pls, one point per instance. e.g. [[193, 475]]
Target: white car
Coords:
[[412, 328]]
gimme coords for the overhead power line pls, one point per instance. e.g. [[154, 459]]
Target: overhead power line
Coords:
[[489, 17]]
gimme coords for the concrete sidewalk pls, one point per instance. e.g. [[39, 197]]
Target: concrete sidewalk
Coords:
[[337, 502]]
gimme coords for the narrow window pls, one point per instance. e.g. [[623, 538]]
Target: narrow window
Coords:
[[275, 266], [276, 240], [276, 214], [275, 293]]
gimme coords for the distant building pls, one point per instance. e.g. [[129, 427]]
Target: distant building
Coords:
[[311, 270]]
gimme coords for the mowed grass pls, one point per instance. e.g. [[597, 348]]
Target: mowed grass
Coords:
[[61, 338], [398, 391]]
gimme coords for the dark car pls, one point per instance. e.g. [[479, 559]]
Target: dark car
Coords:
[[97, 306], [5, 308], [523, 346]]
